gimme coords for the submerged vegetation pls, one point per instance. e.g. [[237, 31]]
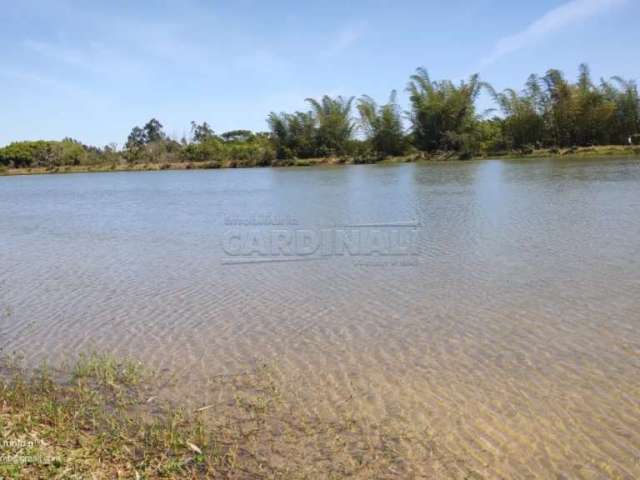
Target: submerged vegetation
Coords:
[[550, 113], [102, 418]]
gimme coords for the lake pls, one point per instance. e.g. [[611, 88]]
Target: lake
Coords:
[[495, 302]]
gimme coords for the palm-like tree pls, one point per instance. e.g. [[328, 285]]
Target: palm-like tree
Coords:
[[523, 123], [382, 125], [442, 113], [334, 124], [293, 134]]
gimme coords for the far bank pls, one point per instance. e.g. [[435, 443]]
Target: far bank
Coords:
[[567, 153]]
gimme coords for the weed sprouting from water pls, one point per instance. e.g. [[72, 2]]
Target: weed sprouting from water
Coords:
[[102, 417], [107, 369]]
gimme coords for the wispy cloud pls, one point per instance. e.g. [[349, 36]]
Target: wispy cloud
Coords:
[[346, 38], [566, 15]]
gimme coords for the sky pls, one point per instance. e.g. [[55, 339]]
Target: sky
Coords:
[[92, 70]]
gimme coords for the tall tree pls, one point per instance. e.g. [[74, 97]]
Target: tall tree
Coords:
[[383, 125], [153, 131], [523, 124], [201, 133], [443, 115], [294, 135], [334, 124], [136, 138]]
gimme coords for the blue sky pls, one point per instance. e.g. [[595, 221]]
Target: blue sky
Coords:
[[93, 70]]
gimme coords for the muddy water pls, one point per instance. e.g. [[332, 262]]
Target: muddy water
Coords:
[[510, 328]]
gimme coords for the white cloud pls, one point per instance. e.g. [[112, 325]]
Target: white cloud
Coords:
[[554, 20]]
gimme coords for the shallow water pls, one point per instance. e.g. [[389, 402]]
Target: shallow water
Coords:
[[513, 335]]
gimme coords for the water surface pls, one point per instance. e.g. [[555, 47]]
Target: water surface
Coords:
[[514, 336]]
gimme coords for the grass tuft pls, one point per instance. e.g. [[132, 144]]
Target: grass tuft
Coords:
[[107, 369]]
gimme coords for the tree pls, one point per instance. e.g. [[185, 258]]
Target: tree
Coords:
[[334, 124], [523, 125], [626, 119], [153, 131], [443, 115], [201, 133], [41, 153], [559, 116], [136, 139], [237, 136], [294, 135], [382, 125]]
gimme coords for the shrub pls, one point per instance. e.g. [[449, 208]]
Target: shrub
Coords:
[[206, 151]]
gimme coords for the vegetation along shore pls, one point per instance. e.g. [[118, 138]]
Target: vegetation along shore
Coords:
[[550, 116]]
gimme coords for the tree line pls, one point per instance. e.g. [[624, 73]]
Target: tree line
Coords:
[[550, 112]]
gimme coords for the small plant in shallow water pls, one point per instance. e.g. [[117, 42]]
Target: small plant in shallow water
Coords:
[[107, 369], [102, 418]]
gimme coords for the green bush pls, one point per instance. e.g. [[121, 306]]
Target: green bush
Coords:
[[42, 153], [209, 150], [255, 152], [24, 154]]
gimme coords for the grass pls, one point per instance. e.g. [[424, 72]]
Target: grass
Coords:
[[101, 418]]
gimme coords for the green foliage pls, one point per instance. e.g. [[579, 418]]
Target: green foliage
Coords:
[[21, 154], [492, 138], [150, 144], [549, 112], [294, 135], [153, 131], [443, 115], [383, 126], [255, 152], [324, 131], [334, 124], [553, 112], [210, 149], [201, 133], [49, 154], [237, 136], [626, 120], [258, 152], [523, 124], [136, 139]]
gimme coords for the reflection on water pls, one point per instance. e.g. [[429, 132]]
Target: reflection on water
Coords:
[[514, 338]]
